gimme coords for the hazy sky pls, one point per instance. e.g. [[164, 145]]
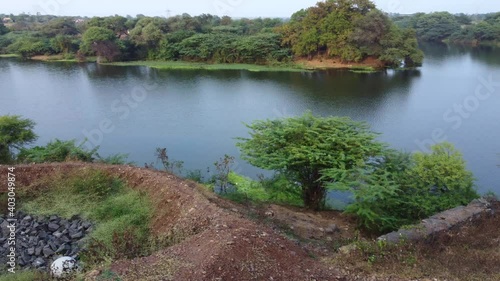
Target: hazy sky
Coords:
[[234, 8]]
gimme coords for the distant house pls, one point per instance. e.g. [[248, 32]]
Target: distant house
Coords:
[[77, 21], [7, 20]]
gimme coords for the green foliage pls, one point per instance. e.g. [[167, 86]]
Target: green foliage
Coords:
[[340, 28], [195, 175], [24, 275], [57, 151], [302, 148], [3, 29], [276, 189], [351, 31], [29, 46], [94, 35], [95, 184], [121, 214], [435, 26], [59, 26], [463, 29], [15, 133], [115, 159], [398, 189]]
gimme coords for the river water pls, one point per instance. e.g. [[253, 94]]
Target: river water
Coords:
[[197, 114]]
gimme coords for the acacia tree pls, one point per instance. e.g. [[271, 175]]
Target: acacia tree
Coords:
[[15, 133], [303, 147]]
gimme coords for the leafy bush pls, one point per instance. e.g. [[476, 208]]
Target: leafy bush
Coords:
[[399, 189], [57, 151], [15, 133]]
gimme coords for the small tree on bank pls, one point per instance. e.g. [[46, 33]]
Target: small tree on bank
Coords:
[[303, 147], [15, 133]]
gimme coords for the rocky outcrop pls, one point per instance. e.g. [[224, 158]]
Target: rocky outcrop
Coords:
[[440, 222], [40, 240]]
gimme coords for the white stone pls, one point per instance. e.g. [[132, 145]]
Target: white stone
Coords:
[[64, 267]]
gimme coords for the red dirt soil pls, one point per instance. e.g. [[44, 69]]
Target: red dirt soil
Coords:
[[213, 243], [327, 63]]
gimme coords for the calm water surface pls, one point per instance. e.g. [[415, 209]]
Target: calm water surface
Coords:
[[197, 114]]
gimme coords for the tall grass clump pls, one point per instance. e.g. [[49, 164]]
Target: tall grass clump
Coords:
[[121, 215]]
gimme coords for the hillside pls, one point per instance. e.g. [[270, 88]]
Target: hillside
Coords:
[[214, 239]]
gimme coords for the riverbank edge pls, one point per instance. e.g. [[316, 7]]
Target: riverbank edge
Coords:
[[297, 66]]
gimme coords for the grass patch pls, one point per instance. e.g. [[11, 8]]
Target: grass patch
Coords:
[[362, 69], [9, 56], [30, 275], [181, 65], [274, 190], [121, 214]]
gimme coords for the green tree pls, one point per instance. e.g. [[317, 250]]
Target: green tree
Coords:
[[15, 133], [59, 26], [302, 148], [3, 29], [64, 44], [94, 35], [28, 46], [350, 30], [370, 30], [436, 26], [101, 41], [400, 46]]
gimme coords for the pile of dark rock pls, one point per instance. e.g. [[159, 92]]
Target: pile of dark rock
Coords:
[[40, 240]]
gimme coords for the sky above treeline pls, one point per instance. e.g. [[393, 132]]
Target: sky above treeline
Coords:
[[233, 8]]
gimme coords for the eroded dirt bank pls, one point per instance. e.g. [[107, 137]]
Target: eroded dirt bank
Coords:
[[214, 239]]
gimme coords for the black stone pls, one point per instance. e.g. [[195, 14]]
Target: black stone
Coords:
[[77, 235], [47, 251], [53, 227], [38, 262]]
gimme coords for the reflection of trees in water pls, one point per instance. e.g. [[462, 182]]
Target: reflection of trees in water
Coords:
[[343, 83], [441, 52], [487, 55], [340, 92], [99, 71]]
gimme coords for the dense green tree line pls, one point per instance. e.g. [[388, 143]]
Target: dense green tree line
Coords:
[[351, 30], [459, 28]]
